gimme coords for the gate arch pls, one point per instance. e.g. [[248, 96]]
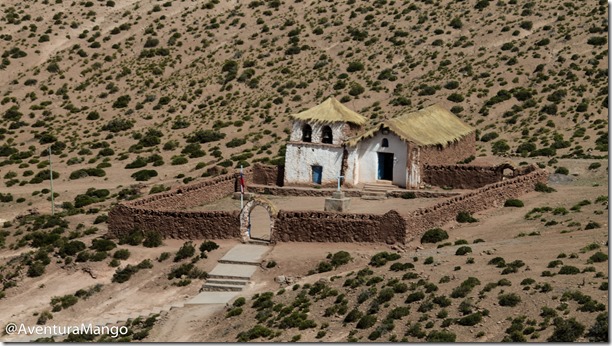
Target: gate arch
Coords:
[[245, 213]]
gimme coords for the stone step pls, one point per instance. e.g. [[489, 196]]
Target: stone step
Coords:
[[261, 242], [227, 282], [232, 271], [208, 287], [372, 196]]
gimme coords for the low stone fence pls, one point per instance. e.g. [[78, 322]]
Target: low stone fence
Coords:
[[319, 226], [461, 176], [161, 212], [490, 196]]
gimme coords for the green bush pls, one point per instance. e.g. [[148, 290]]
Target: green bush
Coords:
[[470, 320], [598, 257], [434, 235], [514, 203], [186, 251], [592, 225], [36, 269], [353, 315], [463, 250], [381, 258], [441, 336], [566, 330], [207, 246], [124, 274], [509, 299], [152, 239], [464, 217], [599, 330], [101, 244], [594, 165], [413, 297], [340, 258], [118, 125], [541, 187], [366, 322], [122, 254], [144, 175], [562, 170], [569, 270]]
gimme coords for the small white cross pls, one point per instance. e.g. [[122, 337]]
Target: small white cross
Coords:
[[339, 179]]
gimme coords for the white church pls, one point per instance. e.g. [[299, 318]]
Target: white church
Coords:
[[330, 140]]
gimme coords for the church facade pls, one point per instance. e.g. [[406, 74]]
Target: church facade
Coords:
[[330, 140]]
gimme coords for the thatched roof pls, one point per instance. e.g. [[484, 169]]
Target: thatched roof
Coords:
[[429, 126], [330, 111]]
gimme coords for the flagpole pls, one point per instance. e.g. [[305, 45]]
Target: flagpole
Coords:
[[241, 189], [51, 180]]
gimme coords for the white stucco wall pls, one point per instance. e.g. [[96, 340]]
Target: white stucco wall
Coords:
[[300, 158], [337, 132], [367, 159]]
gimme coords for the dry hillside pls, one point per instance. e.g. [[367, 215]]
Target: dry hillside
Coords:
[[172, 89]]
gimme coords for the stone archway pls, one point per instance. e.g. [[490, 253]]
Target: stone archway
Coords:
[[245, 216]]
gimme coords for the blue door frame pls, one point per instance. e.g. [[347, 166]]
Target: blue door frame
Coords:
[[317, 174]]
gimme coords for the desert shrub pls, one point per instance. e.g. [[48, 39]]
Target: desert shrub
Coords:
[[566, 330], [598, 257], [428, 260], [152, 239], [381, 258], [408, 195], [514, 203], [101, 244], [592, 225], [562, 170], [465, 287], [413, 297], [470, 320], [340, 258], [509, 299], [233, 312], [186, 251], [239, 302], [569, 270], [122, 254], [396, 267], [599, 330], [441, 336], [353, 315], [124, 274], [144, 175], [208, 246], [464, 217], [594, 165], [258, 331], [205, 136], [324, 266], [36, 269], [463, 250], [541, 187], [366, 322], [118, 125], [434, 235]]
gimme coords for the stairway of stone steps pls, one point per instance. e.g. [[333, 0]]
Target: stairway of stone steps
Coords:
[[230, 276], [377, 191]]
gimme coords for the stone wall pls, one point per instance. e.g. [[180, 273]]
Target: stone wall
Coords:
[[319, 226], [161, 212], [164, 212], [450, 154], [268, 175], [490, 196], [176, 224], [461, 176], [188, 196]]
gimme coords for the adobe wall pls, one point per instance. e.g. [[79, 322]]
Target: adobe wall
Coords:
[[450, 154], [164, 212], [319, 226], [461, 176], [188, 196], [268, 175], [487, 197]]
